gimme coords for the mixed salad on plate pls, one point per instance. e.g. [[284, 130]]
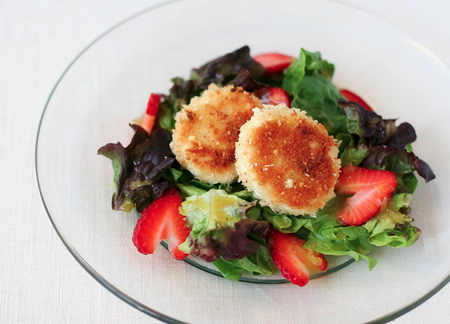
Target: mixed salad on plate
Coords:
[[261, 164]]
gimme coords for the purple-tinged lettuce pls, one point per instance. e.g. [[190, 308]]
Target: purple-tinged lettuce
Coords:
[[219, 226], [226, 69], [377, 143], [259, 263], [370, 128], [138, 168], [400, 162]]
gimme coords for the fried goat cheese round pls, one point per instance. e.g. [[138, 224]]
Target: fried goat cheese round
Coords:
[[287, 160], [206, 132]]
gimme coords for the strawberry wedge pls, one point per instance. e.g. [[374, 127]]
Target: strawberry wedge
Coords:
[[351, 96], [152, 109], [370, 190], [273, 96], [162, 221], [295, 262], [274, 62]]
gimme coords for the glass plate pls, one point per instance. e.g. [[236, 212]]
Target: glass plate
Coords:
[[108, 85], [333, 264]]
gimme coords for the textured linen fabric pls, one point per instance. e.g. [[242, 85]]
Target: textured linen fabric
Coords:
[[40, 282]]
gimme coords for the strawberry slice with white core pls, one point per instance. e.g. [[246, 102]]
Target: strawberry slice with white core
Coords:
[[274, 62], [273, 96], [295, 262], [370, 190], [162, 221], [351, 96], [152, 109]]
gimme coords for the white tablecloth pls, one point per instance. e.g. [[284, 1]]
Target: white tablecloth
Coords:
[[40, 282]]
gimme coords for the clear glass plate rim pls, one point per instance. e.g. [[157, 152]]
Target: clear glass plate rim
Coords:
[[136, 304]]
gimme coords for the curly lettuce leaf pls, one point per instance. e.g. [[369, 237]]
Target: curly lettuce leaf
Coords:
[[392, 226], [259, 263], [219, 226], [370, 128], [377, 143], [345, 240], [236, 68], [138, 168], [308, 81], [308, 63], [354, 155], [401, 162], [399, 237], [283, 222]]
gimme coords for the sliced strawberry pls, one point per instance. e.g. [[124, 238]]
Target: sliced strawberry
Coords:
[[295, 262], [274, 62], [371, 190], [153, 104], [152, 109], [273, 96], [350, 96], [162, 221]]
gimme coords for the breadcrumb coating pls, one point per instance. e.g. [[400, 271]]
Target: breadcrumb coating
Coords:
[[207, 130], [287, 160]]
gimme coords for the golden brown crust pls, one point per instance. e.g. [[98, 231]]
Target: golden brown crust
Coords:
[[288, 160], [207, 129]]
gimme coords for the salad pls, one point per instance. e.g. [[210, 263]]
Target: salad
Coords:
[[262, 165]]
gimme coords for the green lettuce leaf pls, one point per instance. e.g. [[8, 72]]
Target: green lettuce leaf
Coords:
[[308, 81], [355, 155], [407, 183], [392, 226], [283, 222], [259, 263], [308, 63], [399, 237], [345, 240]]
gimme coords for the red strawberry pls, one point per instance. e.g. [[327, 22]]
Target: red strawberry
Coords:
[[153, 104], [162, 221], [295, 262], [152, 109], [273, 96], [274, 62], [370, 189], [350, 96]]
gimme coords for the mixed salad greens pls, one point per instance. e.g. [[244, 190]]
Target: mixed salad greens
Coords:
[[225, 224]]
